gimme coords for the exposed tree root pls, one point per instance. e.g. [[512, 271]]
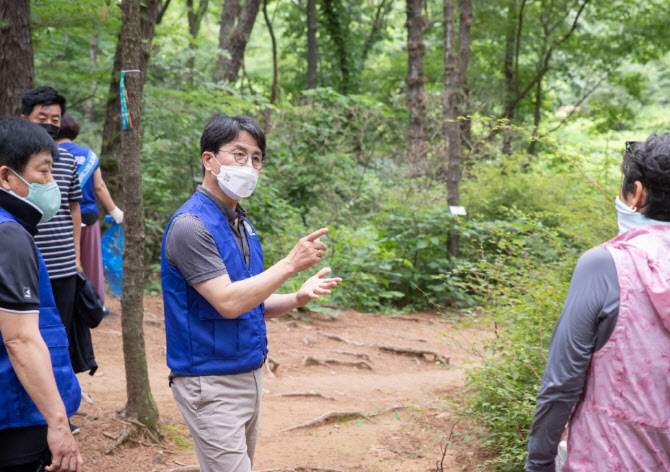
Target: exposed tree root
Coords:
[[272, 365], [309, 360], [410, 351], [362, 355], [342, 339], [125, 434], [304, 394], [326, 417], [150, 434]]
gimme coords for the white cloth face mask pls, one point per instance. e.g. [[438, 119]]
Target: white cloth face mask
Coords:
[[237, 182]]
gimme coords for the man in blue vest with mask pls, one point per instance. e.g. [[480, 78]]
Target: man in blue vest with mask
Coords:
[[38, 389], [217, 295]]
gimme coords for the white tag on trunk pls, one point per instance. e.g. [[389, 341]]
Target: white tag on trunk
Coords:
[[458, 210]]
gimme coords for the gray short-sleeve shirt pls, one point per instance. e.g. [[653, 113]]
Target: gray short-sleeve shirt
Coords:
[[190, 247]]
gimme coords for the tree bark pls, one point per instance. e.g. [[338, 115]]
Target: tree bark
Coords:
[[233, 40], [140, 403], [417, 101], [339, 35], [454, 100], [89, 112], [312, 46], [17, 70], [151, 12]]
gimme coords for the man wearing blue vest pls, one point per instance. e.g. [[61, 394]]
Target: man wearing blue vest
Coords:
[[217, 295], [38, 389]]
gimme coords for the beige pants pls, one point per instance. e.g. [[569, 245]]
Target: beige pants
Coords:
[[222, 413]]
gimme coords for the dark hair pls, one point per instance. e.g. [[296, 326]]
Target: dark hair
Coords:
[[649, 163], [43, 95], [20, 139], [225, 129], [69, 127]]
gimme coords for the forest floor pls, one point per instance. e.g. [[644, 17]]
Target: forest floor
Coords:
[[402, 407]]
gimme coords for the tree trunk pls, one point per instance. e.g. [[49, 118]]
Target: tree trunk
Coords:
[[140, 403], [312, 46], [17, 70], [194, 21], [339, 35], [454, 100], [89, 112], [234, 41], [417, 101], [275, 62], [536, 117], [151, 13]]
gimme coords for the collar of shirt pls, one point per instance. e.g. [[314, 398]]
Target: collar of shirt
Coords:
[[26, 214], [229, 213]]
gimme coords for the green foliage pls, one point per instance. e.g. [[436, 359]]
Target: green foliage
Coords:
[[521, 300]]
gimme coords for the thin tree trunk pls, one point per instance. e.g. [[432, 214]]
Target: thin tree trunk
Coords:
[[151, 12], [194, 21], [235, 42], [454, 99], [140, 403], [92, 59], [275, 62], [339, 35], [536, 117], [312, 46], [417, 101], [17, 70]]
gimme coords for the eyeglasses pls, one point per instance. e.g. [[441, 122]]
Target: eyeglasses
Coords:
[[242, 158]]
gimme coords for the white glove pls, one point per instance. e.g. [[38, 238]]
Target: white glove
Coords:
[[117, 215]]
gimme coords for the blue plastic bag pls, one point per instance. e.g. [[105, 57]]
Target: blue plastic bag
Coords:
[[112, 256]]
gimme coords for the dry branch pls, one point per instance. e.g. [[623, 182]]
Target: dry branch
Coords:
[[340, 415], [410, 351], [309, 360]]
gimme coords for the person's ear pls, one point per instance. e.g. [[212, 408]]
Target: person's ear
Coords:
[[639, 195], [207, 158], [4, 178]]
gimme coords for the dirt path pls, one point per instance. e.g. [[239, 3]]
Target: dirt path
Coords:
[[407, 400]]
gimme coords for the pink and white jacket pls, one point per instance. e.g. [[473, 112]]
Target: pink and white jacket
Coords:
[[622, 422]]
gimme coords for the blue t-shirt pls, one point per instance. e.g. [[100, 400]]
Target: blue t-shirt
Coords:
[[81, 155]]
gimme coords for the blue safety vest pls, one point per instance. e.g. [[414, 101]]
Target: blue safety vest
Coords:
[[199, 340], [17, 408]]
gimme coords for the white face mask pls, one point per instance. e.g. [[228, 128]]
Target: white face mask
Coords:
[[629, 219], [237, 182]]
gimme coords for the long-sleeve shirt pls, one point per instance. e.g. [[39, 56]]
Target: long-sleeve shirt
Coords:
[[586, 323]]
